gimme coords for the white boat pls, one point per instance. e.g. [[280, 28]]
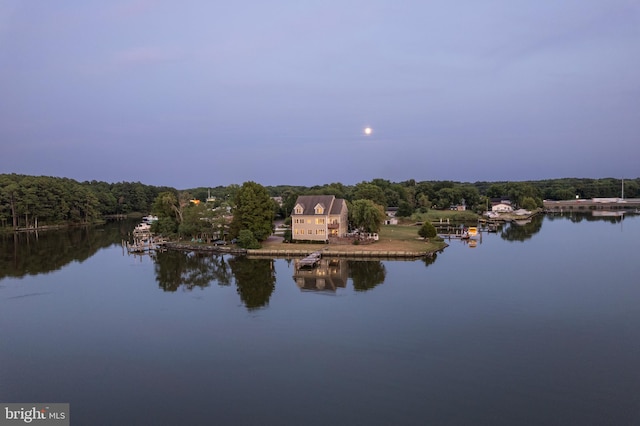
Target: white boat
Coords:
[[149, 219]]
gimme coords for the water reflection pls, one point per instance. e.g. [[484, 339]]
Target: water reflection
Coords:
[[428, 260], [31, 253], [614, 218], [329, 275], [189, 270], [365, 275], [255, 280], [522, 231]]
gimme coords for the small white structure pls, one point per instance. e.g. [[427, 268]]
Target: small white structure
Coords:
[[502, 207]]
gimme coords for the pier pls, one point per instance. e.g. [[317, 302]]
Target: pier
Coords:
[[582, 205], [144, 242], [310, 261]]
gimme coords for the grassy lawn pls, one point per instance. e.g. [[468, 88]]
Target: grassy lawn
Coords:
[[392, 238], [452, 215]]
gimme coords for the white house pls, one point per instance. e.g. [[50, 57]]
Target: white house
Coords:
[[502, 207]]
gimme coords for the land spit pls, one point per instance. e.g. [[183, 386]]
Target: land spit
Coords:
[[350, 252]]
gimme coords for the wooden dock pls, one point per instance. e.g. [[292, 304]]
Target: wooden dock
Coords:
[[145, 244], [311, 261]]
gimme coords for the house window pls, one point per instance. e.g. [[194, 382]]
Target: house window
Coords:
[[309, 231], [319, 231], [298, 209], [320, 221], [319, 209], [308, 221]]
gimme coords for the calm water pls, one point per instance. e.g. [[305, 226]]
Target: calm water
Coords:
[[537, 325]]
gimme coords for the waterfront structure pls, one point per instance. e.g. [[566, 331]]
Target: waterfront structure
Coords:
[[318, 217], [580, 204], [391, 218], [502, 207]]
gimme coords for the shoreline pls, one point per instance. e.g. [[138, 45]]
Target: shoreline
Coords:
[[348, 252]]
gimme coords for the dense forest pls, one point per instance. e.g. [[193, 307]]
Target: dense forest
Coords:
[[35, 201]]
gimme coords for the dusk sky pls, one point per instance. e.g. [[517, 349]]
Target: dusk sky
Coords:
[[208, 93]]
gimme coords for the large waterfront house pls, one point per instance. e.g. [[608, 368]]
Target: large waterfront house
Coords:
[[318, 217]]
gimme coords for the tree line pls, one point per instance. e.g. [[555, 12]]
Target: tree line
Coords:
[[411, 196], [31, 201], [36, 201]]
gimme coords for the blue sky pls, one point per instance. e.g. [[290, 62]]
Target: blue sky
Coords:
[[207, 93]]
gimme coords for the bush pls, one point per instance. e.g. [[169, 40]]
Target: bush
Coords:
[[427, 230], [287, 236], [247, 240]]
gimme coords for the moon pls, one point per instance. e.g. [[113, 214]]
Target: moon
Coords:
[[368, 131]]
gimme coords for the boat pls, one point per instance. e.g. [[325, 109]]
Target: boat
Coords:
[[470, 233], [149, 219], [142, 228]]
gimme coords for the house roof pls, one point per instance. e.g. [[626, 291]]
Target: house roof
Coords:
[[337, 206], [330, 203], [500, 200]]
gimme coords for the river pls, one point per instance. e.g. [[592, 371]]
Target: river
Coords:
[[536, 324]]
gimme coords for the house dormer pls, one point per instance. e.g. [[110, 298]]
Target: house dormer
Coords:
[[319, 209], [298, 209]]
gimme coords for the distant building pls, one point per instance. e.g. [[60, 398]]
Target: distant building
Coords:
[[459, 207], [391, 216], [502, 207], [318, 217]]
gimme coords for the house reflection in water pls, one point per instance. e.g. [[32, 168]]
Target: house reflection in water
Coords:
[[328, 275]]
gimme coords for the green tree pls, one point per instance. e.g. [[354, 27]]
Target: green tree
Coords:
[[427, 230], [404, 209], [366, 215], [528, 203], [253, 211], [369, 191], [165, 207], [194, 222], [247, 240], [167, 203]]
